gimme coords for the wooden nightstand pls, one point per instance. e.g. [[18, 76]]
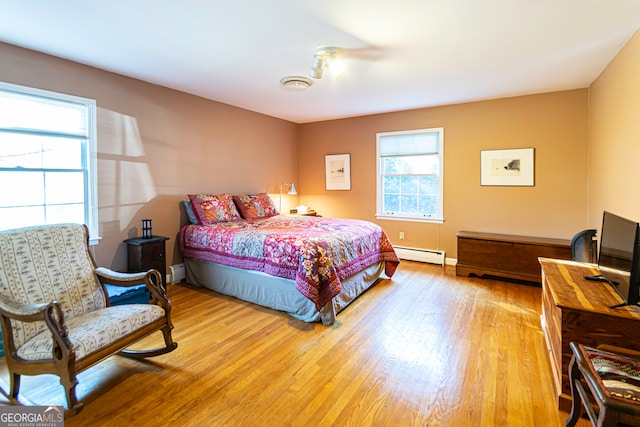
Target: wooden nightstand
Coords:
[[147, 253], [308, 213]]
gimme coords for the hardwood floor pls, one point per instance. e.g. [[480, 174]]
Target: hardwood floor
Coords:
[[426, 348]]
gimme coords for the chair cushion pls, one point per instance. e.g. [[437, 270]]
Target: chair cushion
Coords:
[[92, 331], [619, 376]]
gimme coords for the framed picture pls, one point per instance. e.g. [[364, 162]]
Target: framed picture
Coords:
[[507, 167], [338, 171]]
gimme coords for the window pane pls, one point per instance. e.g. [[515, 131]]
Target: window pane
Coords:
[[36, 151], [428, 185], [59, 153], [64, 187], [390, 165], [58, 214], [428, 205], [21, 217], [20, 151], [29, 192], [391, 203], [409, 204], [409, 185], [418, 165], [391, 184]]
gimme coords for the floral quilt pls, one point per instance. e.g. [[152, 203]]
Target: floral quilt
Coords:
[[317, 253]]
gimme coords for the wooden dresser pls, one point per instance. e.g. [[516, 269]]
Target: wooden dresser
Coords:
[[576, 309], [505, 255]]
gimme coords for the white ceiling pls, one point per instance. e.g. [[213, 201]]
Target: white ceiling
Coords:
[[400, 54]]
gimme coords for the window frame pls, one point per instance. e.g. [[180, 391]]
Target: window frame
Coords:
[[399, 216], [89, 150]]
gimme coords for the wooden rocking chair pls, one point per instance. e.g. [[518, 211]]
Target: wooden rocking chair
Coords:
[[55, 313]]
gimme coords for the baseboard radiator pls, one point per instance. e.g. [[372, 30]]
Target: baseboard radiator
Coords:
[[422, 255], [177, 273]]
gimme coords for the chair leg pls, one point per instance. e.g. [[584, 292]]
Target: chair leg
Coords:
[[576, 403], [69, 383], [607, 418], [14, 388], [168, 339]]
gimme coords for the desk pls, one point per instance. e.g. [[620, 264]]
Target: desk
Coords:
[[575, 309]]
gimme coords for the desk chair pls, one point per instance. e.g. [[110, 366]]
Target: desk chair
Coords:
[[584, 246]]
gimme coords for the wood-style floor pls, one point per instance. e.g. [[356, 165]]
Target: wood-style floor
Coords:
[[425, 348]]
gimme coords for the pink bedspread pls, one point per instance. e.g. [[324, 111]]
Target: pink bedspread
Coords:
[[317, 253]]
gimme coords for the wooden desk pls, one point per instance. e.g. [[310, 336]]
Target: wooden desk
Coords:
[[505, 255], [575, 309]]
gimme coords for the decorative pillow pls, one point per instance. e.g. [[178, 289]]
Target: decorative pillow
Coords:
[[254, 206], [210, 209], [189, 211]]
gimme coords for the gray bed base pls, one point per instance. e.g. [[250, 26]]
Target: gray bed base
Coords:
[[275, 292]]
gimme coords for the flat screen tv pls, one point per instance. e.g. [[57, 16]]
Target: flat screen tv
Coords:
[[618, 259]]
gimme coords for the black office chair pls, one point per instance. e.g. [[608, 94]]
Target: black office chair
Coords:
[[584, 247]]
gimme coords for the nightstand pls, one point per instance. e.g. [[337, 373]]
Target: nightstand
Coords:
[[308, 213], [147, 253]]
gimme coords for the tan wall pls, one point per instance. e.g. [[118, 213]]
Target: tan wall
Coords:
[[555, 124], [614, 137], [156, 145]]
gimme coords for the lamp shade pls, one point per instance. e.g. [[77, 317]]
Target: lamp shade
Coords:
[[292, 189]]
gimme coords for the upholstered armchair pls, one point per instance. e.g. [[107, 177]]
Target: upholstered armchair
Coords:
[[55, 313]]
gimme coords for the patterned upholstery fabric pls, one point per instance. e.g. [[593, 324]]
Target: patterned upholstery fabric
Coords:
[[618, 375], [95, 330], [52, 263]]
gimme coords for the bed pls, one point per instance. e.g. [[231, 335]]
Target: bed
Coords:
[[309, 267]]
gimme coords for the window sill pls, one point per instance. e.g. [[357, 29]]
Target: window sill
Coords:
[[410, 219]]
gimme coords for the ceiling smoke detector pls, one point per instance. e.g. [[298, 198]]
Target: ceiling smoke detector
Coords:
[[296, 82]]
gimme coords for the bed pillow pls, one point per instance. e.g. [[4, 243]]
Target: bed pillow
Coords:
[[255, 206], [209, 208], [189, 211]]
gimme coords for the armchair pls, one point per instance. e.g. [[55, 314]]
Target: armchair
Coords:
[[55, 312]]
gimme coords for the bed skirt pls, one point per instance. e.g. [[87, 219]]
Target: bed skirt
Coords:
[[275, 292]]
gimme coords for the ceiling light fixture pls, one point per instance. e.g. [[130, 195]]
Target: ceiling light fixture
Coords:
[[296, 82], [327, 57]]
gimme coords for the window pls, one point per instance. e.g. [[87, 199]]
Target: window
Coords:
[[47, 159], [409, 173]]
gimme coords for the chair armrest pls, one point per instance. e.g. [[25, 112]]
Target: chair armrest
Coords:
[[120, 279], [152, 279], [51, 313], [23, 312]]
